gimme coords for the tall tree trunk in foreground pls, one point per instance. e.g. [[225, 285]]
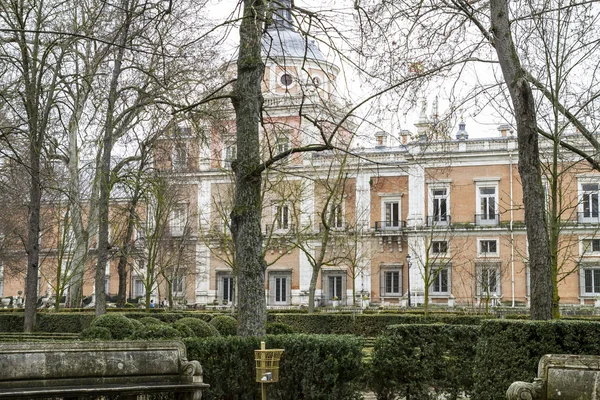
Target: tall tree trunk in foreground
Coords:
[[247, 207], [540, 263]]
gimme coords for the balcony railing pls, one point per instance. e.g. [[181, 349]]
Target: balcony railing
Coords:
[[335, 227], [438, 220], [487, 219], [588, 217], [290, 228], [389, 226]]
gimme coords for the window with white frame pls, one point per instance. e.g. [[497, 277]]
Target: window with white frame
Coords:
[[229, 151], [590, 279], [440, 283], [589, 198], [338, 216], [178, 285], [180, 155], [282, 142], [488, 279], [282, 217], [226, 287], [334, 285], [107, 285], [139, 289], [487, 204], [178, 220], [440, 205], [280, 288], [487, 248], [590, 247], [390, 214], [439, 247], [391, 281]]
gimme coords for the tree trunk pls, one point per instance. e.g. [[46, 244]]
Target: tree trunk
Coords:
[[529, 163], [105, 168], [33, 248], [247, 207]]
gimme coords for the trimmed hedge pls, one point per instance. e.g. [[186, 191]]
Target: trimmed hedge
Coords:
[[408, 360], [120, 327], [63, 322], [95, 333], [312, 367], [199, 327], [509, 351], [368, 325], [156, 331], [279, 328], [225, 324]]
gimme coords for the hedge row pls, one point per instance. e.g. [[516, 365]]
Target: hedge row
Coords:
[[367, 325], [72, 322], [509, 351], [312, 367], [409, 360], [413, 360]]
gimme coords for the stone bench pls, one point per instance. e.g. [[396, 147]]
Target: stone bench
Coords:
[[77, 370], [561, 376]]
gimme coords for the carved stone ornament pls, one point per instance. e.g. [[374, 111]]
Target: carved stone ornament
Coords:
[[526, 390]]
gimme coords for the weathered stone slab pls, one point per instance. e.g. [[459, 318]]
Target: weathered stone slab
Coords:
[[84, 368], [561, 377]]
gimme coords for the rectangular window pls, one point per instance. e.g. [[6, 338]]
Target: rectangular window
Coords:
[[279, 288], [229, 154], [487, 206], [178, 218], [591, 246], [592, 281], [138, 288], [282, 143], [107, 285], [338, 217], [488, 248], [589, 202], [488, 279], [282, 217], [178, 284], [335, 287], [392, 214], [180, 155], [227, 288], [439, 247], [392, 283], [440, 205], [440, 284]]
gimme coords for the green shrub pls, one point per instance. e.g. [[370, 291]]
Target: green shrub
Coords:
[[279, 328], [136, 324], [408, 360], [156, 332], [64, 322], [11, 322], [95, 333], [368, 325], [170, 317], [225, 324], [120, 327], [312, 367], [150, 321], [185, 330], [199, 327], [509, 351]]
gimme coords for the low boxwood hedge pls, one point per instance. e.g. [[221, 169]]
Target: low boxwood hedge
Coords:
[[368, 325], [312, 367], [409, 360], [509, 351]]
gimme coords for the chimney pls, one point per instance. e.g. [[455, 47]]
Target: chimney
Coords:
[[505, 130]]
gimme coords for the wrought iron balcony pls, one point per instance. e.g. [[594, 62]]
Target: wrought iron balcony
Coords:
[[487, 219], [439, 220], [588, 217], [389, 226]]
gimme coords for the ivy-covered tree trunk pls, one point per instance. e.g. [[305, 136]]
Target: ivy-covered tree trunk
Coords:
[[247, 207], [540, 262]]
